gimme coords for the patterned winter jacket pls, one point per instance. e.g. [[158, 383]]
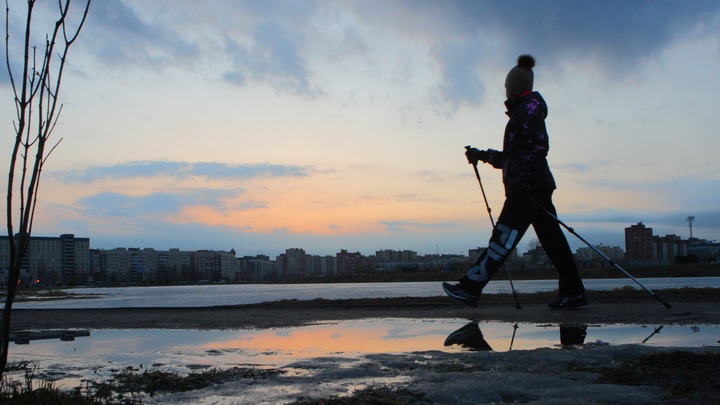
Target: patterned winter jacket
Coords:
[[523, 159]]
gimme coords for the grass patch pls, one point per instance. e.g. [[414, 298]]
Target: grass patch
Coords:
[[158, 381], [126, 387], [30, 391]]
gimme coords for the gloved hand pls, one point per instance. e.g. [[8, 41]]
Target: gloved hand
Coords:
[[474, 155]]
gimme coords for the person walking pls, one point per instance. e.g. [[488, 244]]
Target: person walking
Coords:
[[529, 186]]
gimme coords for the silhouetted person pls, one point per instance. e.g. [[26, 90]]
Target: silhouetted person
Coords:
[[529, 185]]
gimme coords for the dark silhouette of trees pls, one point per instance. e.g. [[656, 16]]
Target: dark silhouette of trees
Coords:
[[35, 86]]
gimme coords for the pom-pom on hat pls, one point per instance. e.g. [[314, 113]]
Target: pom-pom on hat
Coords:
[[520, 78]]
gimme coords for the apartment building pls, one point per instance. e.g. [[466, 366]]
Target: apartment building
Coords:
[[638, 242], [62, 260], [150, 266]]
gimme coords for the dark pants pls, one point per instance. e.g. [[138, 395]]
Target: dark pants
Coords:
[[518, 213]]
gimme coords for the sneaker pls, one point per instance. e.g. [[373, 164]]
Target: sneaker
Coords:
[[569, 302], [456, 291]]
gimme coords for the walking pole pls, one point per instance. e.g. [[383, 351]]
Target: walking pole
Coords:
[[512, 340], [572, 231], [655, 332], [492, 221]]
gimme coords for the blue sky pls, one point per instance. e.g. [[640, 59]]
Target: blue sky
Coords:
[[322, 125]]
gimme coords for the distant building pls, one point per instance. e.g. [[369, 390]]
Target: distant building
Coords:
[[349, 263], [642, 247], [174, 265], [443, 263], [588, 257], [292, 263], [256, 268], [321, 265], [396, 255], [536, 257], [51, 260], [705, 251], [150, 266], [396, 261], [205, 268], [667, 248], [638, 243]]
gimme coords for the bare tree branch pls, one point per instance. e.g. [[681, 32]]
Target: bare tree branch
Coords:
[[37, 112]]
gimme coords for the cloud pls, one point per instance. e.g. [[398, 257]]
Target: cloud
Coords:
[[676, 192], [249, 205], [117, 205], [662, 222], [460, 82], [391, 60], [404, 226], [120, 36], [180, 170], [673, 192], [608, 216], [274, 59], [407, 197], [577, 167], [274, 43], [620, 35]]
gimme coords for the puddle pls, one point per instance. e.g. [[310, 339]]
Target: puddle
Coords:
[[69, 357]]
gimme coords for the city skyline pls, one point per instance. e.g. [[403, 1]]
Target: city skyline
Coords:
[[321, 125], [530, 245], [69, 260]]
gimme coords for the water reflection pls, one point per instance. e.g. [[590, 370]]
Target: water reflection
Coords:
[[24, 337], [659, 328], [104, 351], [572, 335], [470, 337]]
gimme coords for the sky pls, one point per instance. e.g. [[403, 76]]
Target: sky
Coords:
[[324, 125]]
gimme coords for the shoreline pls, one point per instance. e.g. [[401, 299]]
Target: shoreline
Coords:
[[690, 306]]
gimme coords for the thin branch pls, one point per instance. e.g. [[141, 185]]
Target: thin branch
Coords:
[[47, 156], [54, 123], [80, 25]]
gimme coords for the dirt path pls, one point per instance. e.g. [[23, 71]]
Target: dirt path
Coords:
[[689, 306]]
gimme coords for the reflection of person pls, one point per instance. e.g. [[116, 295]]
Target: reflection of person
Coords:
[[468, 336], [529, 185], [572, 335]]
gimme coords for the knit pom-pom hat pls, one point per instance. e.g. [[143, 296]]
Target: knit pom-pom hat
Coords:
[[520, 78]]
